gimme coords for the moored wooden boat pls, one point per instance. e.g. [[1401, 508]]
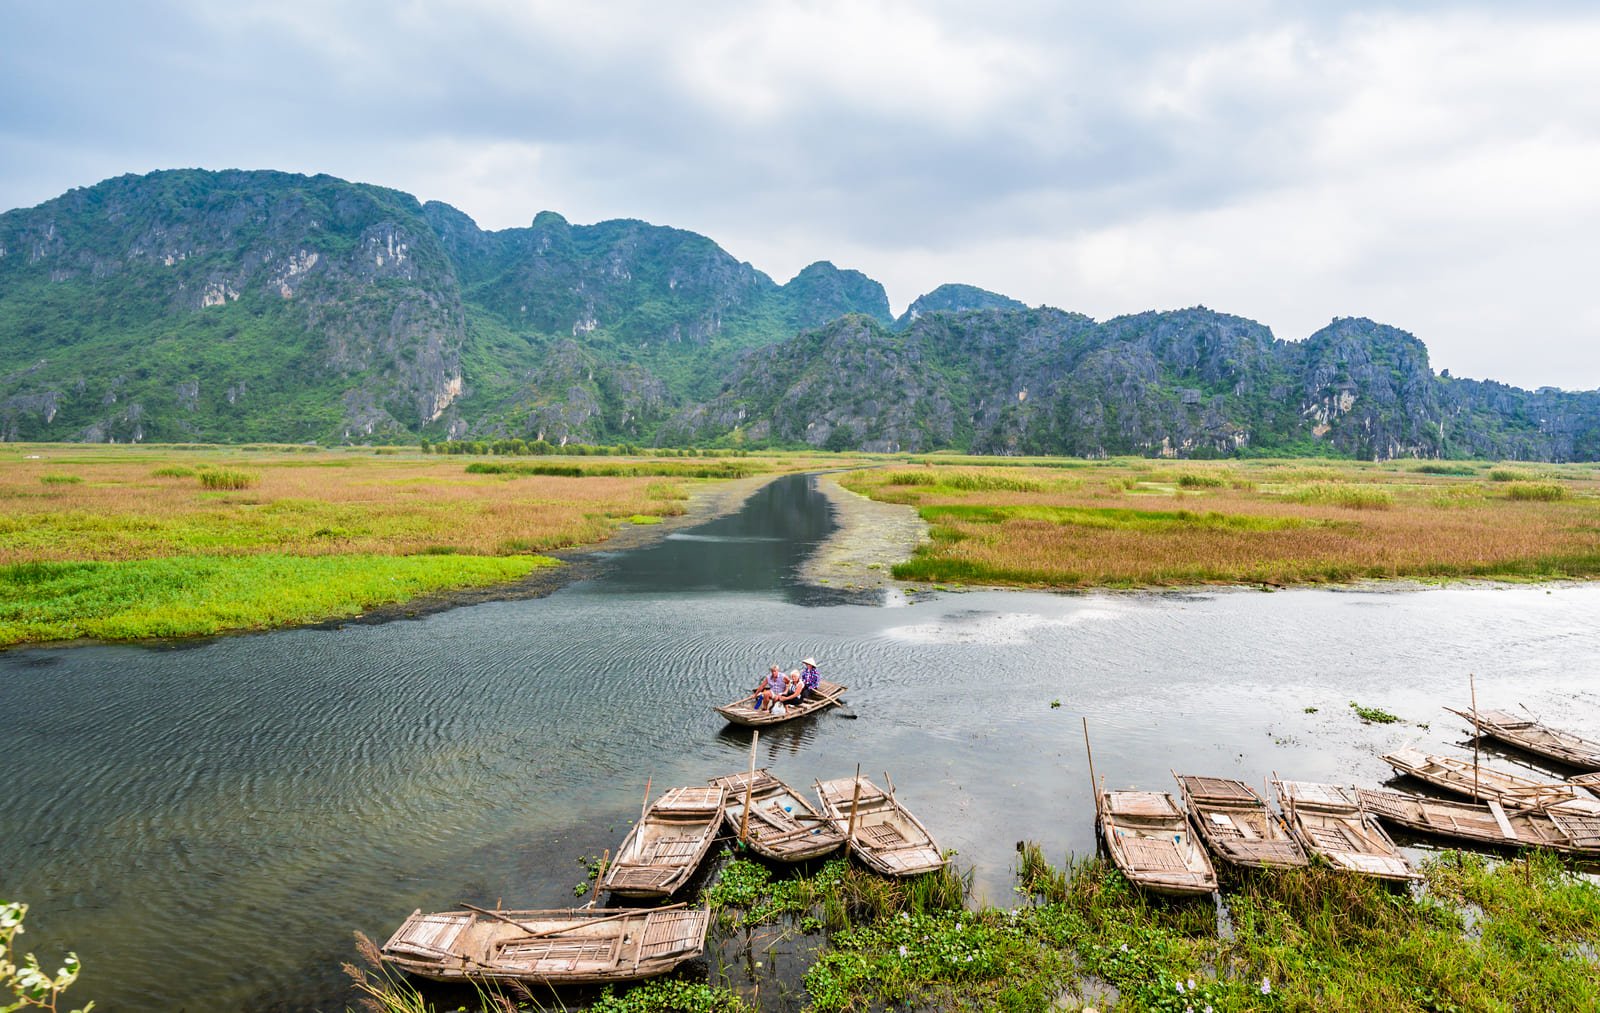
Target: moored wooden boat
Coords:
[[1236, 824], [1480, 783], [1488, 824], [1530, 736], [1152, 843], [558, 947], [743, 712], [878, 829], [1329, 821], [782, 825], [1588, 782], [664, 848]]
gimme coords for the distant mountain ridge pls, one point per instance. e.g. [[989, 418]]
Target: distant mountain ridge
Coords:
[[263, 306]]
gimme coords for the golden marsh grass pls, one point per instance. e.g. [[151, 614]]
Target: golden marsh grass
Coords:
[[1142, 523]]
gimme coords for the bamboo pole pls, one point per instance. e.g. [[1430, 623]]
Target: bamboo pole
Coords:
[[645, 806], [1477, 734], [749, 789], [1094, 787], [855, 800], [600, 876]]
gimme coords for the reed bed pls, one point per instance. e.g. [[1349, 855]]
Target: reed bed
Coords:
[[123, 543], [1142, 523]]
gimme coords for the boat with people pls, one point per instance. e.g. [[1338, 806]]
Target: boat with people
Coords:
[[668, 843], [1531, 736], [746, 712], [1477, 782], [1237, 825], [556, 947], [881, 832], [1151, 843], [1489, 823], [1330, 821], [774, 819]]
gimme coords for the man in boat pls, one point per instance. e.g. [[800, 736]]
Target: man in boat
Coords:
[[809, 678], [771, 689]]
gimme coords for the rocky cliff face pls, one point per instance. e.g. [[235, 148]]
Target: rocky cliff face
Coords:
[[171, 306], [237, 306], [1192, 383]]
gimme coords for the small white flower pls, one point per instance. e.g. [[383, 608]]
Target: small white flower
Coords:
[[1191, 984], [1266, 987], [903, 950], [1179, 987], [1124, 947]]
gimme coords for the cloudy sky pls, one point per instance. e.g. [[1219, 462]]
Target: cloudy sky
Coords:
[[1434, 166]]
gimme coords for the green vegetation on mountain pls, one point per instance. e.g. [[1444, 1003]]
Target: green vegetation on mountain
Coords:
[[263, 306]]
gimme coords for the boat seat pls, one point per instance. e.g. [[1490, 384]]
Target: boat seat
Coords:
[[556, 955], [1153, 853], [668, 932], [911, 858], [639, 877], [672, 852], [882, 835], [430, 934]]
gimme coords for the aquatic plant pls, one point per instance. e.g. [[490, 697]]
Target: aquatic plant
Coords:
[[1373, 715]]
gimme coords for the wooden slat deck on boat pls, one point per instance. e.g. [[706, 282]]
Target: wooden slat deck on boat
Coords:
[[1152, 844], [886, 836], [782, 826], [662, 851], [1511, 790], [1532, 737], [1488, 824], [1236, 824], [1329, 821], [743, 712], [561, 947]]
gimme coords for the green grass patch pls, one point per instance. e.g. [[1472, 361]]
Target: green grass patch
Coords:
[[1108, 517], [173, 471], [1509, 475], [643, 519], [721, 468], [203, 595], [1542, 492], [1436, 468], [61, 479], [227, 478], [1353, 497], [1196, 480], [910, 478]]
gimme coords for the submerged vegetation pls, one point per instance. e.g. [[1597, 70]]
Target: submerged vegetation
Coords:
[[1129, 522]]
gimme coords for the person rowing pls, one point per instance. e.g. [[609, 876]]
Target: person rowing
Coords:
[[809, 680]]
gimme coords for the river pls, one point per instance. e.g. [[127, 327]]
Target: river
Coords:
[[206, 824]]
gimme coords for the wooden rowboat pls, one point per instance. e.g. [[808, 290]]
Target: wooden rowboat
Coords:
[[1533, 737], [1489, 824], [547, 947], [1236, 824], [878, 829], [1151, 842], [1479, 783], [782, 825], [1330, 821], [1588, 782], [743, 712], [664, 848]]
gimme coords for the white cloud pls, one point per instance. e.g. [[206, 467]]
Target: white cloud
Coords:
[[1430, 168]]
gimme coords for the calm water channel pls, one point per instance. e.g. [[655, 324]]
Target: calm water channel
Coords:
[[207, 825]]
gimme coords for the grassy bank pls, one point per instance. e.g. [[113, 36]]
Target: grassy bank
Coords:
[[202, 595], [125, 542], [1128, 523], [1478, 935]]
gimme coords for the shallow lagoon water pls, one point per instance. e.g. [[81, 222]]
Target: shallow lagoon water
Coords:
[[207, 824]]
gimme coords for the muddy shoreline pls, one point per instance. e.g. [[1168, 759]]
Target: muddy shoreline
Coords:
[[870, 538]]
